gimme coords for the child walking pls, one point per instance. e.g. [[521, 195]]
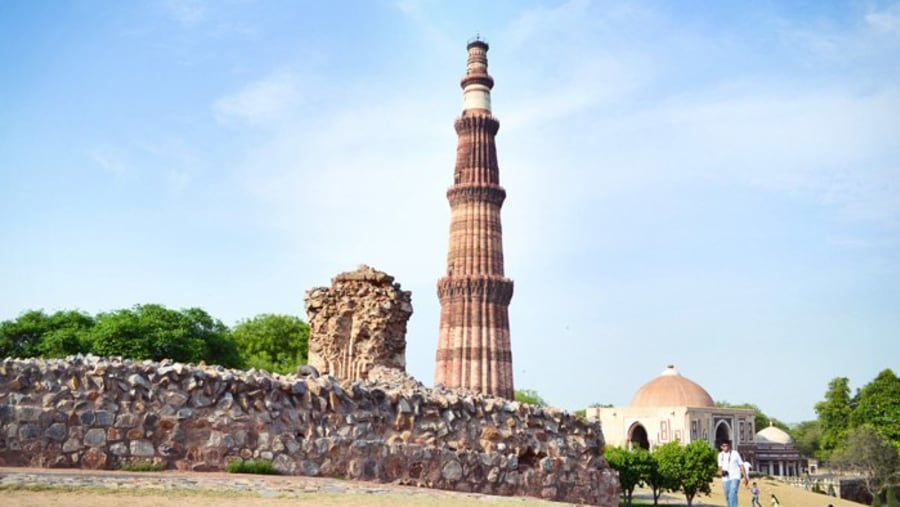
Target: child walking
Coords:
[[754, 490]]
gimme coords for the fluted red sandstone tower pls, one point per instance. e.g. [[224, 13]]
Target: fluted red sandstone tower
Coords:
[[473, 346]]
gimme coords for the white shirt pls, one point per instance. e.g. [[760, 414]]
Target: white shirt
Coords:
[[731, 461]]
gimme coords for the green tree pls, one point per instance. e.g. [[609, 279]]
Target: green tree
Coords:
[[689, 469], [834, 415], [891, 497], [633, 467], [219, 346], [155, 332], [878, 406], [34, 333], [871, 456], [806, 436], [656, 480], [531, 397], [277, 343]]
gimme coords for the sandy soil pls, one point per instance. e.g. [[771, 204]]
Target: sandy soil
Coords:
[[372, 495], [788, 496]]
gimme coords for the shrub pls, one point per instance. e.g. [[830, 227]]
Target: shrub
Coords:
[[141, 466], [252, 466]]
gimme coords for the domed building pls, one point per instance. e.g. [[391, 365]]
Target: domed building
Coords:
[[776, 454], [672, 407]]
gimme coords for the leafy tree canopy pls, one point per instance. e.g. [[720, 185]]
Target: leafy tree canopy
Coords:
[[878, 406], [689, 469], [36, 334], [806, 437], [634, 468], [531, 397], [834, 415], [154, 332], [870, 455], [277, 343]]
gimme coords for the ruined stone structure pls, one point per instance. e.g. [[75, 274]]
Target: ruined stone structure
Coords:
[[473, 345], [95, 413], [358, 323]]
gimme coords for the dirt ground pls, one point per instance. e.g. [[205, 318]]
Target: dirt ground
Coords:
[[788, 496], [348, 494]]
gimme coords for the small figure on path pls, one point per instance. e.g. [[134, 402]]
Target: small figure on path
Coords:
[[754, 490], [775, 501]]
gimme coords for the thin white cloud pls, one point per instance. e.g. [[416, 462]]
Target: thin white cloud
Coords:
[[886, 20], [261, 102]]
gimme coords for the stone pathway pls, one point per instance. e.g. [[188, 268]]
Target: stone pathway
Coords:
[[261, 485]]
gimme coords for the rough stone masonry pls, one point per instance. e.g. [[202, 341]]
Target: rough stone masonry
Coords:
[[98, 413], [358, 323]]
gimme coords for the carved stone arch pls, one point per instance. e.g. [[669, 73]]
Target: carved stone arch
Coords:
[[724, 433], [637, 436]]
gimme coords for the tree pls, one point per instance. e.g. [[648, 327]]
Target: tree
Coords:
[[689, 469], [656, 480], [155, 332], [277, 343], [219, 344], [531, 397], [878, 406], [870, 455], [806, 436], [633, 467], [834, 415], [36, 334], [891, 499]]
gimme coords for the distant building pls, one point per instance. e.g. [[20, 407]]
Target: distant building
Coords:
[[672, 407], [776, 454]]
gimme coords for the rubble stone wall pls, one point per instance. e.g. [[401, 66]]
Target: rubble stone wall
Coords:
[[96, 413]]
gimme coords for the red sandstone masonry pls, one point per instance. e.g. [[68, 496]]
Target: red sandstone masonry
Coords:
[[474, 349]]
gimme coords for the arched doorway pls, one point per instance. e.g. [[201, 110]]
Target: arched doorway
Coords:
[[637, 435], [723, 434]]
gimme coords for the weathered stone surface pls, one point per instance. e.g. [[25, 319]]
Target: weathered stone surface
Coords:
[[95, 437], [386, 427], [142, 448], [95, 459], [358, 323]]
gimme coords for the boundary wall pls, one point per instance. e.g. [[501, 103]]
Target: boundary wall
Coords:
[[100, 413]]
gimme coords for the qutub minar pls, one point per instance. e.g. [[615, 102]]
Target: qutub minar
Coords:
[[473, 345]]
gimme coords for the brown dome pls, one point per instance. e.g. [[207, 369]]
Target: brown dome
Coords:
[[670, 389]]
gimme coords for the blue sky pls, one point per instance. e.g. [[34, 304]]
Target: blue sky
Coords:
[[715, 186]]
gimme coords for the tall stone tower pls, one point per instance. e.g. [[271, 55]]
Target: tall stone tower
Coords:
[[473, 346]]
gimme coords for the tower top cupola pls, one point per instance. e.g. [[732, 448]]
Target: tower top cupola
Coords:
[[477, 83]]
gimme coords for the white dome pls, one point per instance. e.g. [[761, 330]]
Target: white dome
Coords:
[[773, 435]]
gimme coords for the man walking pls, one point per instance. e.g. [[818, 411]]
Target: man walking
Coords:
[[731, 468]]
